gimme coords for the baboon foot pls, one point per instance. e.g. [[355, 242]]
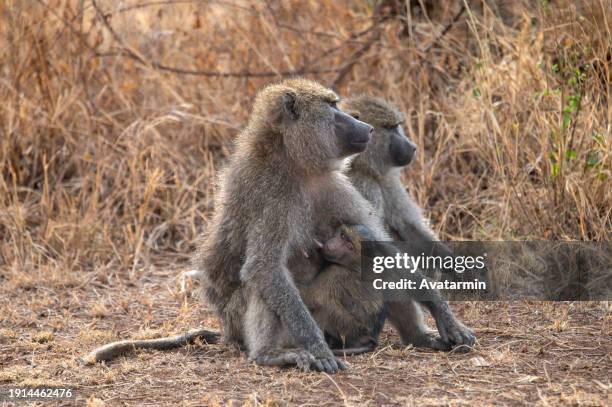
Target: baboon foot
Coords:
[[286, 357], [455, 334], [430, 340], [325, 361]]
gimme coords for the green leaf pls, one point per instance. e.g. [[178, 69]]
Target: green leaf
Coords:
[[554, 170], [592, 159], [476, 92], [567, 119], [573, 103], [570, 155]]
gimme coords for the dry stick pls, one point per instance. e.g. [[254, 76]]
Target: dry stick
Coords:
[[446, 29], [127, 52], [378, 21], [358, 54], [216, 74], [175, 2], [375, 27]]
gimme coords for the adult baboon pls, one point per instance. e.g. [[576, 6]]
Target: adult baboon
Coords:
[[376, 174], [350, 315], [284, 172]]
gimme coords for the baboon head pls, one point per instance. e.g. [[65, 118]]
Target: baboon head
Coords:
[[344, 247], [300, 119], [389, 148]]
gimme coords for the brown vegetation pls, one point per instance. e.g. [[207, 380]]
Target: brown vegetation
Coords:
[[115, 117]]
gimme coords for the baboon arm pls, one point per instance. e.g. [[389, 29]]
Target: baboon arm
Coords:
[[405, 219], [402, 214], [451, 330], [265, 271]]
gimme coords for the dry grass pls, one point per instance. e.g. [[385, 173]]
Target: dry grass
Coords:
[[115, 116]]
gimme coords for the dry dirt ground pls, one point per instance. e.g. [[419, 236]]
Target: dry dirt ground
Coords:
[[527, 353]]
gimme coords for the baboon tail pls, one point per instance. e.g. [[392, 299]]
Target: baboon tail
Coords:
[[114, 349]]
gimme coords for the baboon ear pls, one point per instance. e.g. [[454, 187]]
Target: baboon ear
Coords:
[[288, 105]]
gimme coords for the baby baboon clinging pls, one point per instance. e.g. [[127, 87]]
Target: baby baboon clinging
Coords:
[[350, 315], [285, 170], [376, 174]]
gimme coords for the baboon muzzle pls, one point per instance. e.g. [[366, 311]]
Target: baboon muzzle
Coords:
[[402, 151], [354, 135]]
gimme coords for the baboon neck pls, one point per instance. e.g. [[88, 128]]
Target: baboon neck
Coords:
[[392, 177], [305, 170], [365, 175]]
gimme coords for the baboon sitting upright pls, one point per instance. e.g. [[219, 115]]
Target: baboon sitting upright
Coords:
[[350, 315], [376, 174], [284, 171]]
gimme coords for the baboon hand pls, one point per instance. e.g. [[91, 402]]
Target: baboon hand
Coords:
[[455, 333], [325, 361]]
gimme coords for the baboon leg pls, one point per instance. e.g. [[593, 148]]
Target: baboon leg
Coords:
[[407, 318], [232, 316], [269, 345]]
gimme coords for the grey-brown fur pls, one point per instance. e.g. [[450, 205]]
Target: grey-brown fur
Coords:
[[376, 174], [350, 315], [114, 349], [377, 177], [278, 195]]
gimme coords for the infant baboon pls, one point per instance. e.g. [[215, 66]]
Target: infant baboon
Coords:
[[376, 174], [350, 315]]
